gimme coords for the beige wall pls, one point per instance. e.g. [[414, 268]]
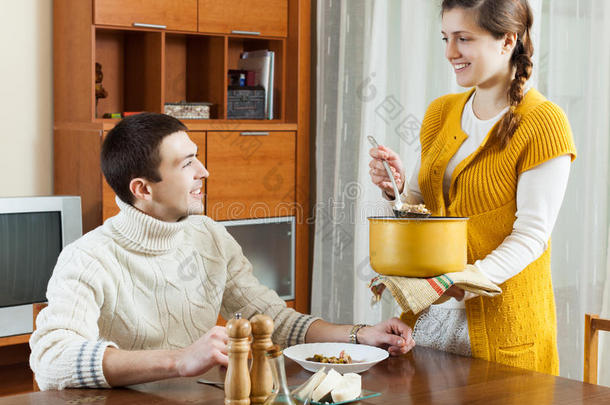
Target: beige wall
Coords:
[[26, 98]]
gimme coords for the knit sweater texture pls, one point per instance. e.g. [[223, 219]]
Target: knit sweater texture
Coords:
[[519, 326], [137, 283]]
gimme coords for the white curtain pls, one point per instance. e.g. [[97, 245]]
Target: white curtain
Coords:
[[380, 63], [574, 72]]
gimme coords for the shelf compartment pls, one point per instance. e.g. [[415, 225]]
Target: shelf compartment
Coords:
[[131, 65], [195, 71], [238, 45]]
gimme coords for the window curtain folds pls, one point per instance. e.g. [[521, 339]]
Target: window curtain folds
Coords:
[[380, 63]]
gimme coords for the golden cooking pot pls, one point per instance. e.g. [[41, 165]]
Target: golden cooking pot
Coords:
[[417, 247]]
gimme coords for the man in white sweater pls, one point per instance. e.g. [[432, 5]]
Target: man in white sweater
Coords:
[[137, 299]]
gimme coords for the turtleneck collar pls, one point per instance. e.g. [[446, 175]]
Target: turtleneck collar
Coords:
[[143, 233]]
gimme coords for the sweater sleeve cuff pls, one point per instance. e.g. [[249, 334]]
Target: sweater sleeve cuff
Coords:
[[299, 329], [88, 372]]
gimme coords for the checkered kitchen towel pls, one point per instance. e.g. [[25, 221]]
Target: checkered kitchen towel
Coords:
[[417, 294]]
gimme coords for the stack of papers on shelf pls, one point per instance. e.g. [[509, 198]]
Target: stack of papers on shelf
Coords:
[[262, 62]]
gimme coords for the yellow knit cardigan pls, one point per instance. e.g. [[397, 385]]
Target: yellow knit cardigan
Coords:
[[518, 327]]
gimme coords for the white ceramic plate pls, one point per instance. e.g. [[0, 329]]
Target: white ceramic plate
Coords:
[[364, 356]]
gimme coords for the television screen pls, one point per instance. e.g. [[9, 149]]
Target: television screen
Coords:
[[30, 243], [269, 247]]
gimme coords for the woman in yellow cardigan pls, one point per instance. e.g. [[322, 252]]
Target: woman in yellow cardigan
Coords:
[[499, 154]]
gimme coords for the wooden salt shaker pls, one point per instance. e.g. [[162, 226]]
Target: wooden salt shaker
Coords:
[[237, 381], [260, 375]]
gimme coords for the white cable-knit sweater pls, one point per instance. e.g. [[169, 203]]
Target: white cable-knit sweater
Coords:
[[139, 283]]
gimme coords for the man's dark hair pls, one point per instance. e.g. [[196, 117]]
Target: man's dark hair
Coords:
[[131, 150]]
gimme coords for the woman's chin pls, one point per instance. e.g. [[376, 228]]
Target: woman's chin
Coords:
[[463, 79], [463, 82]]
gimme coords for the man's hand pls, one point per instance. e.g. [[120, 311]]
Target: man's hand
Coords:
[[124, 367], [393, 335], [208, 351]]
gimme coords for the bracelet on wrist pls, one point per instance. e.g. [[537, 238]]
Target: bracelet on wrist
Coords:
[[353, 333]]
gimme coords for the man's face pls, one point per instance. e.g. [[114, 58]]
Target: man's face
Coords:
[[179, 193]]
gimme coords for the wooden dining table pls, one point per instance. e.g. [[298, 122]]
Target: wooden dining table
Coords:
[[423, 376]]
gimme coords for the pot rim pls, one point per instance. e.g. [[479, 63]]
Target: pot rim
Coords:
[[391, 218]]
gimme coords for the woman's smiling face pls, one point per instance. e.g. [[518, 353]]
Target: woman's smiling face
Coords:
[[478, 59]]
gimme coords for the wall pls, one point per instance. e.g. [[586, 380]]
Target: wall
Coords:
[[26, 98]]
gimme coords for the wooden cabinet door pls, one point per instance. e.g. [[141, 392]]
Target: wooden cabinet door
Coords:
[[109, 207], [179, 15], [252, 174], [262, 17]]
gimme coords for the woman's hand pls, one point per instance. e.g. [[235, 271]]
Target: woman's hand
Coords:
[[379, 176], [455, 292]]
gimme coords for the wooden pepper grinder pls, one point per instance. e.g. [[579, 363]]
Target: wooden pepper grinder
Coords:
[[260, 375], [237, 381]]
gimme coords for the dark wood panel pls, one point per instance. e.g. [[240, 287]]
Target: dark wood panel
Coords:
[[15, 379], [143, 71], [110, 54], [205, 72], [300, 15], [250, 176], [268, 17], [73, 67], [178, 15], [77, 171], [15, 374], [293, 59], [175, 68], [15, 353]]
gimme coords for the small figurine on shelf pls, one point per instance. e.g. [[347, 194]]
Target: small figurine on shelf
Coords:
[[100, 91]]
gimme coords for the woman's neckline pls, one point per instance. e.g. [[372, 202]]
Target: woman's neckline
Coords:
[[470, 108]]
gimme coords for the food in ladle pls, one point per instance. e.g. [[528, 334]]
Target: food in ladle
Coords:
[[414, 208]]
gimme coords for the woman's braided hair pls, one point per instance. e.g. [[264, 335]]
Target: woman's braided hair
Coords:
[[500, 17]]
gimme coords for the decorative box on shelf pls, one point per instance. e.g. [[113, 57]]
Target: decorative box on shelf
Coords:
[[246, 102], [188, 111]]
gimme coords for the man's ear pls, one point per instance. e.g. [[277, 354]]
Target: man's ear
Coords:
[[510, 41], [141, 189]]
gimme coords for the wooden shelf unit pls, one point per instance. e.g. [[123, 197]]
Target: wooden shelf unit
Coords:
[[147, 66], [142, 70]]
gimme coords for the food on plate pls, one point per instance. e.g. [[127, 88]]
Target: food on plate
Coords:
[[343, 358], [414, 208]]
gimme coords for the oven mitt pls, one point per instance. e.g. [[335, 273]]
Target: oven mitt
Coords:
[[416, 294]]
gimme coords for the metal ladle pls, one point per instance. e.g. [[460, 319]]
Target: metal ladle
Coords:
[[397, 204]]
